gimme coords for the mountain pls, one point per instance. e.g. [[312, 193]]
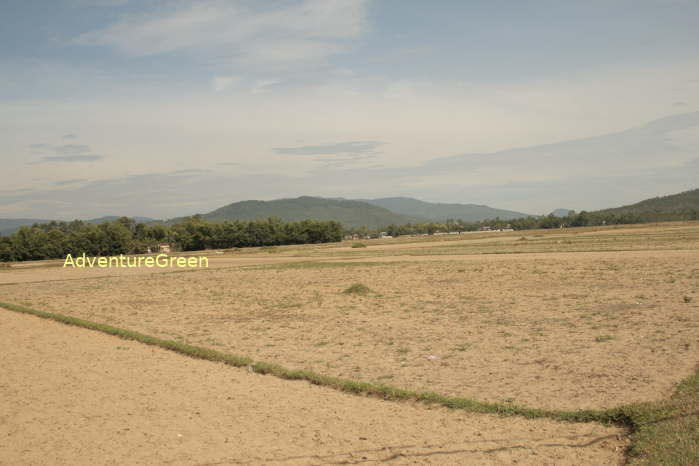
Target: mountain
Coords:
[[11, 225], [440, 212], [111, 218], [350, 213], [561, 212], [687, 200]]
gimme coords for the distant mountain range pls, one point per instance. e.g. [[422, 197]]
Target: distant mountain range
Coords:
[[349, 213], [561, 212], [440, 212], [11, 225], [687, 200], [374, 213]]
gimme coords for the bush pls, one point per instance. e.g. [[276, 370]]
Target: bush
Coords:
[[358, 288]]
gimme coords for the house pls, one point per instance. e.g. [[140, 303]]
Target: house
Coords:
[[164, 247]]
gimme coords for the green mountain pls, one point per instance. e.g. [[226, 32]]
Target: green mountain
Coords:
[[440, 212], [687, 200], [352, 214]]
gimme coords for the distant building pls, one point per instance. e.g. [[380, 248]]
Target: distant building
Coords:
[[164, 248]]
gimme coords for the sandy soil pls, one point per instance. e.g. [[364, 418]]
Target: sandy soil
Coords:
[[72, 396], [554, 330]]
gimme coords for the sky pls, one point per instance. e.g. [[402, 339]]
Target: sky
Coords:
[[168, 108]]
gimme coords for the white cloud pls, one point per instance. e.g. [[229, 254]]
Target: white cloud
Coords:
[[306, 30], [221, 83]]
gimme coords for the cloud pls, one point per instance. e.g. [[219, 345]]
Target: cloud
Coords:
[[605, 171], [190, 171], [263, 85], [71, 149], [221, 83], [351, 147], [68, 182], [65, 153], [70, 136], [70, 158], [258, 32]]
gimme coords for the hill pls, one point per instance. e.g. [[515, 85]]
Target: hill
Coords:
[[111, 218], [561, 212], [440, 212], [687, 200], [352, 214], [11, 225]]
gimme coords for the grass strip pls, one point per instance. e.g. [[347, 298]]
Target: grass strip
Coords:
[[662, 433], [182, 348], [387, 392]]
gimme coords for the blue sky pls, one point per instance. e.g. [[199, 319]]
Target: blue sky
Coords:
[[167, 108]]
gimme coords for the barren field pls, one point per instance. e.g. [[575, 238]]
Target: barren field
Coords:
[[567, 319], [545, 329], [73, 396]]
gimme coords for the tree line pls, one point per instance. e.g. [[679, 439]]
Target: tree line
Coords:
[[55, 240], [574, 219]]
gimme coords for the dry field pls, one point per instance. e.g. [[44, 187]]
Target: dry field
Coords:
[[96, 399], [566, 319]]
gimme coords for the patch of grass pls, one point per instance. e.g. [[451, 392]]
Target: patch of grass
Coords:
[[269, 249], [358, 245], [667, 432], [603, 338], [358, 289]]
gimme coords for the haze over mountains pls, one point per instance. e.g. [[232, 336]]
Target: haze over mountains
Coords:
[[374, 213], [349, 213], [439, 212], [687, 200], [11, 225], [616, 168]]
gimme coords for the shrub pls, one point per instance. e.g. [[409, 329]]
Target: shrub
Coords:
[[358, 288]]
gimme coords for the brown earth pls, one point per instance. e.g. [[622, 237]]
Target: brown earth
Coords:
[[552, 330], [73, 396]]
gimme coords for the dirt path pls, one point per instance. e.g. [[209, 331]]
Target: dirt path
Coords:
[[73, 396]]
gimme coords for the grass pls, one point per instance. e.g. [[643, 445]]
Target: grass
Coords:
[[667, 432], [358, 245], [358, 289], [603, 338], [662, 433]]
